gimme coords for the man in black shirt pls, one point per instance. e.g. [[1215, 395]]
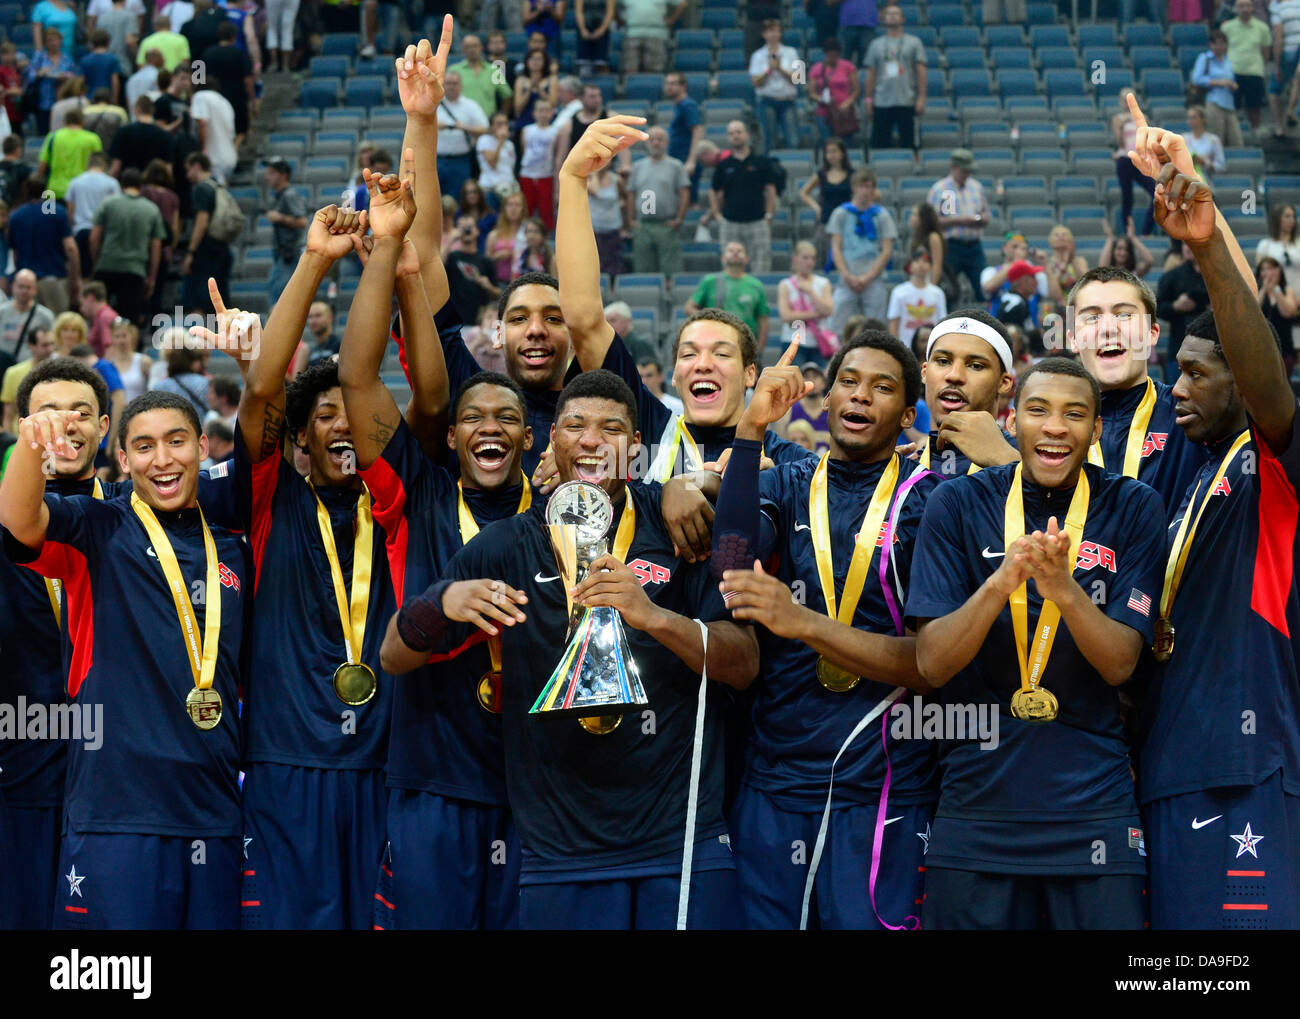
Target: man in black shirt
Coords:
[[141, 141], [206, 256], [230, 66], [743, 198], [469, 274], [1180, 297], [201, 30]]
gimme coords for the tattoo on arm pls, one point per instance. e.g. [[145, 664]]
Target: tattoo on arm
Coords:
[[383, 431], [272, 429]]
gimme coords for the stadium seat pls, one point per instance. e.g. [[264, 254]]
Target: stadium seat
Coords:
[[913, 190], [343, 44], [999, 162], [961, 36], [282, 143], [1024, 192], [1004, 35], [1041, 14], [1187, 57], [947, 17], [1112, 57], [1012, 58], [696, 38], [335, 143], [1044, 161], [1143, 57], [1162, 82], [718, 18], [979, 108], [926, 33], [387, 119], [1075, 109], [941, 136], [893, 163], [987, 134], [935, 164], [343, 120], [1096, 35], [1075, 190], [971, 83], [965, 57], [1021, 109], [732, 38], [1116, 81], [1092, 161], [249, 200], [1084, 221], [732, 60], [1039, 136], [1058, 57], [325, 169], [375, 67], [692, 60], [734, 85], [320, 93], [935, 86], [1017, 83], [368, 92], [1063, 83], [1189, 34], [297, 120], [328, 67], [644, 87], [1048, 35], [1145, 35], [1245, 160]]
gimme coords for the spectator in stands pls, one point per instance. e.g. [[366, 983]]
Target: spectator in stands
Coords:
[[537, 82], [13, 171], [743, 197], [734, 290], [23, 315], [288, 218], [995, 281], [592, 110], [214, 122], [124, 353], [173, 46], [1250, 48], [379, 162], [610, 219], [160, 188], [473, 202], [59, 15], [145, 81], [460, 123], [496, 161], [1213, 72], [896, 83], [594, 19], [221, 443], [126, 245], [171, 110], [546, 16], [568, 98], [646, 25], [223, 400], [1019, 303], [469, 274], [51, 66], [1125, 133], [537, 165], [1282, 242], [99, 67], [1064, 264], [652, 376], [1010, 12], [40, 347], [862, 234], [963, 212], [497, 56], [916, 302], [186, 375], [858, 21], [320, 324], [86, 192], [1282, 83], [619, 316], [450, 210], [1126, 251], [506, 236], [142, 141], [11, 83], [1280, 307], [205, 256], [201, 30], [772, 69], [506, 13], [280, 18], [479, 79], [231, 68], [832, 187], [804, 300], [1206, 148], [833, 86], [42, 242], [123, 27], [923, 223], [1180, 296], [104, 117], [534, 255], [66, 153], [72, 96], [825, 15], [99, 315], [658, 196]]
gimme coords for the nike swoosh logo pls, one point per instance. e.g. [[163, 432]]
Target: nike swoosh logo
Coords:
[[543, 580], [802, 527], [150, 552], [1201, 824], [891, 820], [992, 555]]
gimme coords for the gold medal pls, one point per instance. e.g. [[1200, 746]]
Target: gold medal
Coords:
[[601, 725], [1163, 648], [835, 679], [203, 707], [354, 684], [489, 691], [1034, 705]]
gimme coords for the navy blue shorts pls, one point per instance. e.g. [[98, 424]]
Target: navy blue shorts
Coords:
[[451, 865], [147, 882], [774, 847], [29, 862], [968, 900], [313, 839], [1225, 859]]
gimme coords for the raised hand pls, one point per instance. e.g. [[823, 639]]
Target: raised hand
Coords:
[[331, 230], [392, 200], [1014, 569], [408, 261], [238, 333], [481, 601], [755, 596], [779, 388], [48, 430], [1184, 205], [420, 73], [600, 143], [1048, 559], [1155, 146]]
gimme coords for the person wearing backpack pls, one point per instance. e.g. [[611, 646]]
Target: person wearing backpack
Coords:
[[208, 252], [126, 246]]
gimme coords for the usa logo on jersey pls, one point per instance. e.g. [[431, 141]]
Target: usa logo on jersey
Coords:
[[648, 572], [1092, 555], [228, 577], [1155, 442]]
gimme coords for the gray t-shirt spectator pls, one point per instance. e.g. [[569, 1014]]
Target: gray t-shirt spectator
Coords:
[[118, 22], [860, 250], [895, 64], [12, 322], [130, 222], [86, 193], [663, 179], [288, 241]]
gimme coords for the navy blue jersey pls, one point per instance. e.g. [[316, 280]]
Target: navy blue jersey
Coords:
[[582, 800], [799, 725], [292, 714], [950, 462], [442, 740], [155, 774], [1225, 709], [657, 423], [1168, 460], [1075, 769]]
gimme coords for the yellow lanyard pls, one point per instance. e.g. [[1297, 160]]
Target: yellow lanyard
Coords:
[[1183, 540], [54, 588], [974, 468], [352, 616], [1137, 433], [469, 528], [1013, 529], [692, 460], [202, 654], [863, 548]]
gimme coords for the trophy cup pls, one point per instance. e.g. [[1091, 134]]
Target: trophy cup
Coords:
[[596, 678]]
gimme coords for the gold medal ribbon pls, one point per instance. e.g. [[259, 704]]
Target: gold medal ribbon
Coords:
[[1013, 529], [469, 528], [692, 460], [1137, 433], [863, 548], [974, 468], [622, 542], [202, 656], [54, 588], [1183, 540], [352, 615]]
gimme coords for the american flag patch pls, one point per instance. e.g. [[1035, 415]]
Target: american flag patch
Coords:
[[1139, 602], [220, 470]]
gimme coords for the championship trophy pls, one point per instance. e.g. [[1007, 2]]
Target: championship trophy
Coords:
[[596, 678]]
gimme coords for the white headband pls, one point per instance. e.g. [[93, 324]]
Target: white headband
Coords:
[[972, 327]]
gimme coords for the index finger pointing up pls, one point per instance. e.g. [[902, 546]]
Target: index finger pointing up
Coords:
[[218, 305], [1136, 111], [787, 358], [444, 43]]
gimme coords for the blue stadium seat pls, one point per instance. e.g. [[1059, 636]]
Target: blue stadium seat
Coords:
[[1048, 35], [940, 136], [320, 93], [335, 143], [343, 44], [1075, 109], [1084, 220], [1017, 83], [1111, 56], [1022, 192], [1143, 57], [1098, 161], [1157, 82], [732, 60], [1004, 35], [375, 67], [718, 18], [1038, 136], [344, 120], [366, 92], [693, 60], [328, 67], [1058, 57], [1000, 162], [285, 143], [979, 108], [962, 37], [1063, 83], [1044, 161], [1074, 189], [1096, 35], [928, 35], [893, 162], [987, 133], [1187, 57], [947, 16], [734, 85], [1012, 58], [1144, 35], [1021, 109], [965, 57], [297, 120], [1041, 14], [971, 83], [697, 84], [934, 83], [696, 38], [645, 87], [1189, 34], [732, 38]]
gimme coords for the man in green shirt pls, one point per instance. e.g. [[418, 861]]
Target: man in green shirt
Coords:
[[66, 152], [481, 81], [1250, 48], [126, 245], [734, 290], [173, 46]]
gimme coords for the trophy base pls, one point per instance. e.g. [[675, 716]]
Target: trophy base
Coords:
[[590, 710], [600, 725]]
